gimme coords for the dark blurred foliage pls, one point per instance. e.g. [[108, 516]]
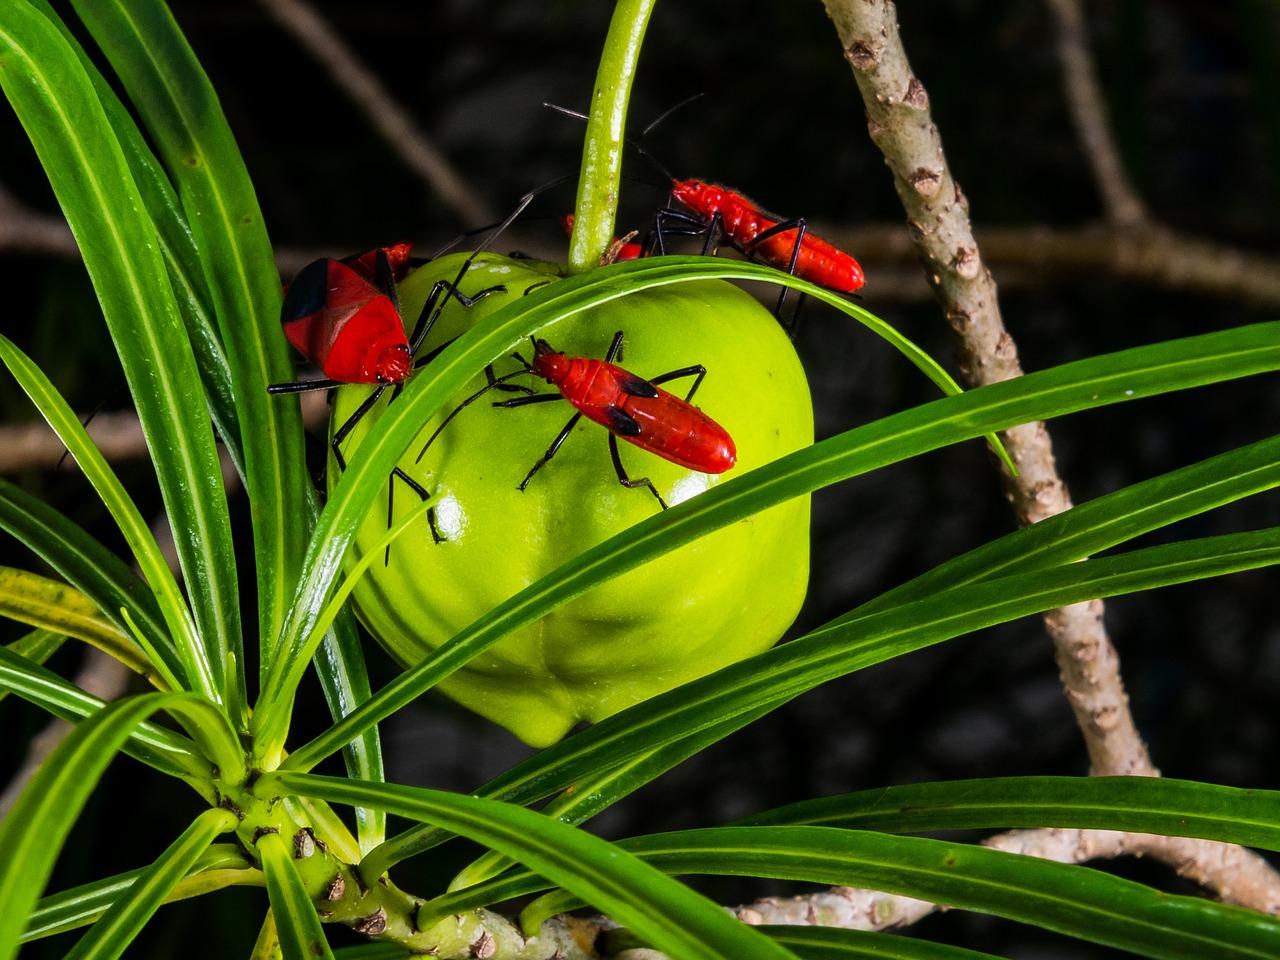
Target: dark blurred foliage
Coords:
[[1192, 98]]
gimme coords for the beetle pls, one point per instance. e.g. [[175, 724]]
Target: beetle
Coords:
[[625, 404], [344, 316]]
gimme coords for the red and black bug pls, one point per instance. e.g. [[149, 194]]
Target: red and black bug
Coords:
[[627, 405], [721, 214], [744, 225], [344, 316]]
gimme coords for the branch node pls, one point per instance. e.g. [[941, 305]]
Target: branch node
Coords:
[[925, 181], [862, 56]]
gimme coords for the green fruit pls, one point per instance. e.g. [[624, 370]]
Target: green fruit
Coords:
[[715, 601]]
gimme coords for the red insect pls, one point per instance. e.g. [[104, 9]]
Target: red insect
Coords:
[[344, 316], [786, 244], [626, 405]]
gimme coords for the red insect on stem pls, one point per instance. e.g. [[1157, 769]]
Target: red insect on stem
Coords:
[[786, 244], [627, 405]]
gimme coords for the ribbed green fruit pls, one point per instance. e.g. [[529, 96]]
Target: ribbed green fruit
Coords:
[[719, 599]]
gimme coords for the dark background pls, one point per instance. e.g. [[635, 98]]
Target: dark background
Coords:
[[1196, 116]]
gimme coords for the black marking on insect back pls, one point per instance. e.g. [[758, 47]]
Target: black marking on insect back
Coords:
[[621, 422], [308, 292], [636, 386]]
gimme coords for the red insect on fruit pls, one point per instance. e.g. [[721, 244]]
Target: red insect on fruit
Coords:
[[627, 405], [722, 214], [344, 316]]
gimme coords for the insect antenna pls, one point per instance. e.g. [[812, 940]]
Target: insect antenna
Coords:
[[494, 382]]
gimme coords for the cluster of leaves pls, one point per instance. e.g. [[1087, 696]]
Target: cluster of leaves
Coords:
[[176, 249]]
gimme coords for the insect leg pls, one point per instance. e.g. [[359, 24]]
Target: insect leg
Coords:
[[697, 370], [625, 480], [435, 305], [494, 382], [555, 444], [341, 433], [676, 223], [800, 227], [422, 495]]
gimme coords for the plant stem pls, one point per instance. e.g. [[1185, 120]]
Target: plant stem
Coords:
[[596, 207]]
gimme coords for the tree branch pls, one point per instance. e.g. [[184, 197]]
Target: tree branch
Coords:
[[897, 106]]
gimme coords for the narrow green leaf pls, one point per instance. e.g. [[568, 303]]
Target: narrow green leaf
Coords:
[[666, 914], [345, 680], [1074, 900], [197, 672], [1081, 385], [829, 943], [37, 646], [166, 751], [178, 247], [33, 833], [41, 602], [56, 103], [1100, 524], [1175, 808], [221, 865], [778, 675], [180, 110], [575, 804], [1091, 527], [297, 924], [88, 566], [111, 935]]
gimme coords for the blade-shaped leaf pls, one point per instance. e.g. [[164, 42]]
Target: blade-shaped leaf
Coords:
[[828, 943], [297, 924], [221, 865], [46, 603], [178, 247], [1176, 808], [111, 935], [56, 103], [166, 751], [1134, 804], [1087, 383], [1091, 527], [667, 915], [33, 833], [87, 565], [184, 643], [1073, 900], [778, 675], [341, 668], [180, 110]]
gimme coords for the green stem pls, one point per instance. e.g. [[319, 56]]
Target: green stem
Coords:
[[597, 203]]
